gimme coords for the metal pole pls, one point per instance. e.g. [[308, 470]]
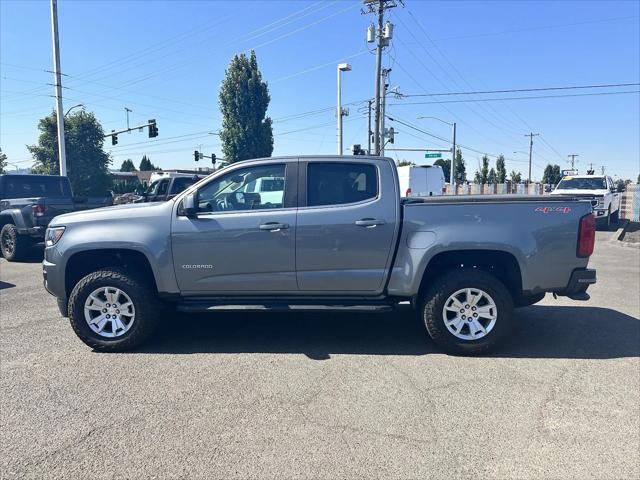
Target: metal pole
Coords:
[[452, 178], [376, 138], [369, 134], [57, 81], [339, 112], [383, 102]]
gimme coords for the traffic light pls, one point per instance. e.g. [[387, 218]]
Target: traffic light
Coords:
[[213, 159], [196, 155], [153, 129], [114, 139]]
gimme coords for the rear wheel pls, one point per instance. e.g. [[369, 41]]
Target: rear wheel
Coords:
[[112, 311], [13, 245], [467, 311]]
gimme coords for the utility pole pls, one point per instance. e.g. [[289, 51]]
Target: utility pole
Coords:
[[57, 82], [383, 104], [381, 35], [602, 169], [342, 67], [531, 135], [452, 178], [370, 132], [572, 156]]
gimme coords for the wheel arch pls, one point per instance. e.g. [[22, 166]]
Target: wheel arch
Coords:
[[84, 262], [503, 265]]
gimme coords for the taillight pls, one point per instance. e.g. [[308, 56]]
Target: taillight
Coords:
[[37, 210], [407, 193], [586, 235]]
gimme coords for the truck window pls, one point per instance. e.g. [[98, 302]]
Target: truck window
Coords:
[[163, 186], [340, 183], [593, 183], [35, 186], [181, 183], [237, 190]]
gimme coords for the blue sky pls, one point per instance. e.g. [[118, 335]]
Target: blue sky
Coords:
[[165, 60]]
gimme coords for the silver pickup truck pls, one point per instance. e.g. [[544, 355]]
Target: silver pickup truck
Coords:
[[331, 233]]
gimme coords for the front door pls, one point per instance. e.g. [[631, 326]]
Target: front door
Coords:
[[239, 242], [346, 226]]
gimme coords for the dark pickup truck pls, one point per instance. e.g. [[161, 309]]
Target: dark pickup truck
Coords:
[[27, 205]]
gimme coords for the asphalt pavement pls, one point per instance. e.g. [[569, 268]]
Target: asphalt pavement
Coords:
[[326, 396]]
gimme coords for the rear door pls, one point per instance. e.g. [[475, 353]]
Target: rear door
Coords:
[[347, 220]]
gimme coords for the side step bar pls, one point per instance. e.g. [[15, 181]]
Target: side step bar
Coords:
[[194, 307]]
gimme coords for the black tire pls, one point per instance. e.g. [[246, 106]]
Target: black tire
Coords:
[[433, 303], [147, 310], [615, 217], [528, 301], [14, 246]]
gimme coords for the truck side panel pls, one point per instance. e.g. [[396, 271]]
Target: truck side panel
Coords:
[[542, 238]]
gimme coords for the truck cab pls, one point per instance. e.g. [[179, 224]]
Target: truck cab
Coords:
[[598, 188]]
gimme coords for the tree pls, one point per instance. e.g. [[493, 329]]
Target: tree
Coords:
[[128, 166], [405, 163], [446, 168], [244, 98], [87, 162], [482, 176], [516, 177], [460, 170], [146, 165], [551, 174], [501, 171], [3, 161], [492, 177]]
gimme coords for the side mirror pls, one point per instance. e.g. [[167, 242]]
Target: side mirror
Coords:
[[189, 205]]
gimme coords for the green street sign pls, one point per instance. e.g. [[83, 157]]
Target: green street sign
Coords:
[[432, 155]]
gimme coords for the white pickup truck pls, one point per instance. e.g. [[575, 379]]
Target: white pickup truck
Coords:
[[600, 189]]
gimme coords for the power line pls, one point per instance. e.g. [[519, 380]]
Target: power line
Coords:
[[515, 90], [520, 98]]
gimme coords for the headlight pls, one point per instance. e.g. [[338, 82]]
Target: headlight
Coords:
[[53, 235]]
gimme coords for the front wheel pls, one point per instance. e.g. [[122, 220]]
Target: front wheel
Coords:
[[112, 311], [467, 311]]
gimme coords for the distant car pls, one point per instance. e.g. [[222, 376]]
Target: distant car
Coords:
[[167, 187], [29, 202], [600, 189]]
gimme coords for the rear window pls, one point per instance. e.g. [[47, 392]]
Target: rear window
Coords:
[[34, 186], [340, 183]]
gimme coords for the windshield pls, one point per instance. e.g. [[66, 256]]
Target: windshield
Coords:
[[594, 183]]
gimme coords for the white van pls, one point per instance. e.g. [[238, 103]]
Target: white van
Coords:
[[421, 181]]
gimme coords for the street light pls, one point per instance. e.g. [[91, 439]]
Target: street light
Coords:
[[452, 180], [342, 67], [75, 106]]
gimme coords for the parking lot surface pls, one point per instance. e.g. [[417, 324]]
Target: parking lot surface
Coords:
[[333, 396]]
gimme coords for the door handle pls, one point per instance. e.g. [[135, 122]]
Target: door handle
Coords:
[[274, 226], [369, 222]]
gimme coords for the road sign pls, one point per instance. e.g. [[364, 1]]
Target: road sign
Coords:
[[432, 155]]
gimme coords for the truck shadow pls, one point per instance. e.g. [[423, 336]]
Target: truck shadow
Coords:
[[541, 332]]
